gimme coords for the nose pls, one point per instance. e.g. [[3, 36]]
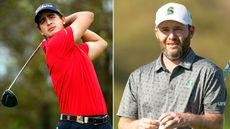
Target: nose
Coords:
[[172, 35], [49, 22]]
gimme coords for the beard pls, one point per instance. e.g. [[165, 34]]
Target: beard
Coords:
[[181, 51]]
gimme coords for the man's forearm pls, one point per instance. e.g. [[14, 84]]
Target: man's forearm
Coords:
[[207, 121], [126, 123], [72, 17], [90, 36], [79, 22], [143, 123], [96, 44]]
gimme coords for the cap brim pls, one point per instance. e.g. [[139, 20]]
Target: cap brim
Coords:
[[45, 9], [172, 19]]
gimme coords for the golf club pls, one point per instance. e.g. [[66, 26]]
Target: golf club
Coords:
[[9, 99], [226, 70]]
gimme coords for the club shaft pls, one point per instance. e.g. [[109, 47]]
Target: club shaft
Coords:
[[226, 70], [35, 51]]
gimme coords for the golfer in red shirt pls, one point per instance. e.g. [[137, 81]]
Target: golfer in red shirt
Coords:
[[74, 79]]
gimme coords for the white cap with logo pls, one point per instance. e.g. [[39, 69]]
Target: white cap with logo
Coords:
[[173, 11]]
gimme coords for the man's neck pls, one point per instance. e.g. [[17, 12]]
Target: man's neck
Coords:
[[170, 64]]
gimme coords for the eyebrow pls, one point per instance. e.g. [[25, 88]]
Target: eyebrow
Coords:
[[48, 15], [165, 27], [178, 26], [41, 19]]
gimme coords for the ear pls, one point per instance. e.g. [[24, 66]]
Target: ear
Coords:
[[191, 31], [156, 34], [63, 20], [41, 31]]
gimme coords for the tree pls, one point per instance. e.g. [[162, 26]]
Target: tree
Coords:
[[19, 37]]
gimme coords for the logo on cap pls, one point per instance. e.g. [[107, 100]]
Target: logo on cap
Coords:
[[170, 10], [44, 6], [173, 11]]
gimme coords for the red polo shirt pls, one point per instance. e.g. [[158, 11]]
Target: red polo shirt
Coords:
[[73, 76]]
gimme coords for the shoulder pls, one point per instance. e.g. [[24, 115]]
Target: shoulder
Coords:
[[205, 64], [144, 69], [62, 33], [61, 36], [209, 72]]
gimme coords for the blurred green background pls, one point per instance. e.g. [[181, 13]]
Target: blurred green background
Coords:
[[38, 107], [135, 43]]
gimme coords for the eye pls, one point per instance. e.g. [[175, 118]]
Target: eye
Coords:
[[179, 29], [42, 21], [51, 16], [164, 29]]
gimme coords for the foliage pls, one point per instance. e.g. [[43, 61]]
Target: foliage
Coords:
[[38, 108], [136, 45]]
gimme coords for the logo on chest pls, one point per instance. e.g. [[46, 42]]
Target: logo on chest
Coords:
[[189, 83]]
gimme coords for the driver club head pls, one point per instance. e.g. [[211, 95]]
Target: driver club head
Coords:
[[9, 99]]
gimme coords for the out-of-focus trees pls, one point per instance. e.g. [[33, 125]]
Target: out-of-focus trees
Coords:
[[136, 44], [38, 107]]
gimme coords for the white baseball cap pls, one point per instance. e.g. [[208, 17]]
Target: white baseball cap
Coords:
[[173, 11]]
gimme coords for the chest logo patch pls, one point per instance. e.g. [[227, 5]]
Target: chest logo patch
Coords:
[[189, 83]]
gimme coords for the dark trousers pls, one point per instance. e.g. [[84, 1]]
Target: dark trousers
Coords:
[[73, 125]]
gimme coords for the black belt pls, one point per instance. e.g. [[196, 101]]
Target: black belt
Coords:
[[86, 119]]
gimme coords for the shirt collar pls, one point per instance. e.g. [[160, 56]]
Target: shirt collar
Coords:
[[188, 60], [159, 65], [44, 44], [186, 63]]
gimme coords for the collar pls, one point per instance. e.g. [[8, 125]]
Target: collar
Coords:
[[44, 44], [186, 63]]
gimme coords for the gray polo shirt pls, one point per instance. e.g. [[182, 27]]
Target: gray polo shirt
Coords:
[[196, 85]]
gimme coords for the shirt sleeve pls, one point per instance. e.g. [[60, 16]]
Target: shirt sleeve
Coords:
[[215, 93], [84, 47], [129, 104]]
